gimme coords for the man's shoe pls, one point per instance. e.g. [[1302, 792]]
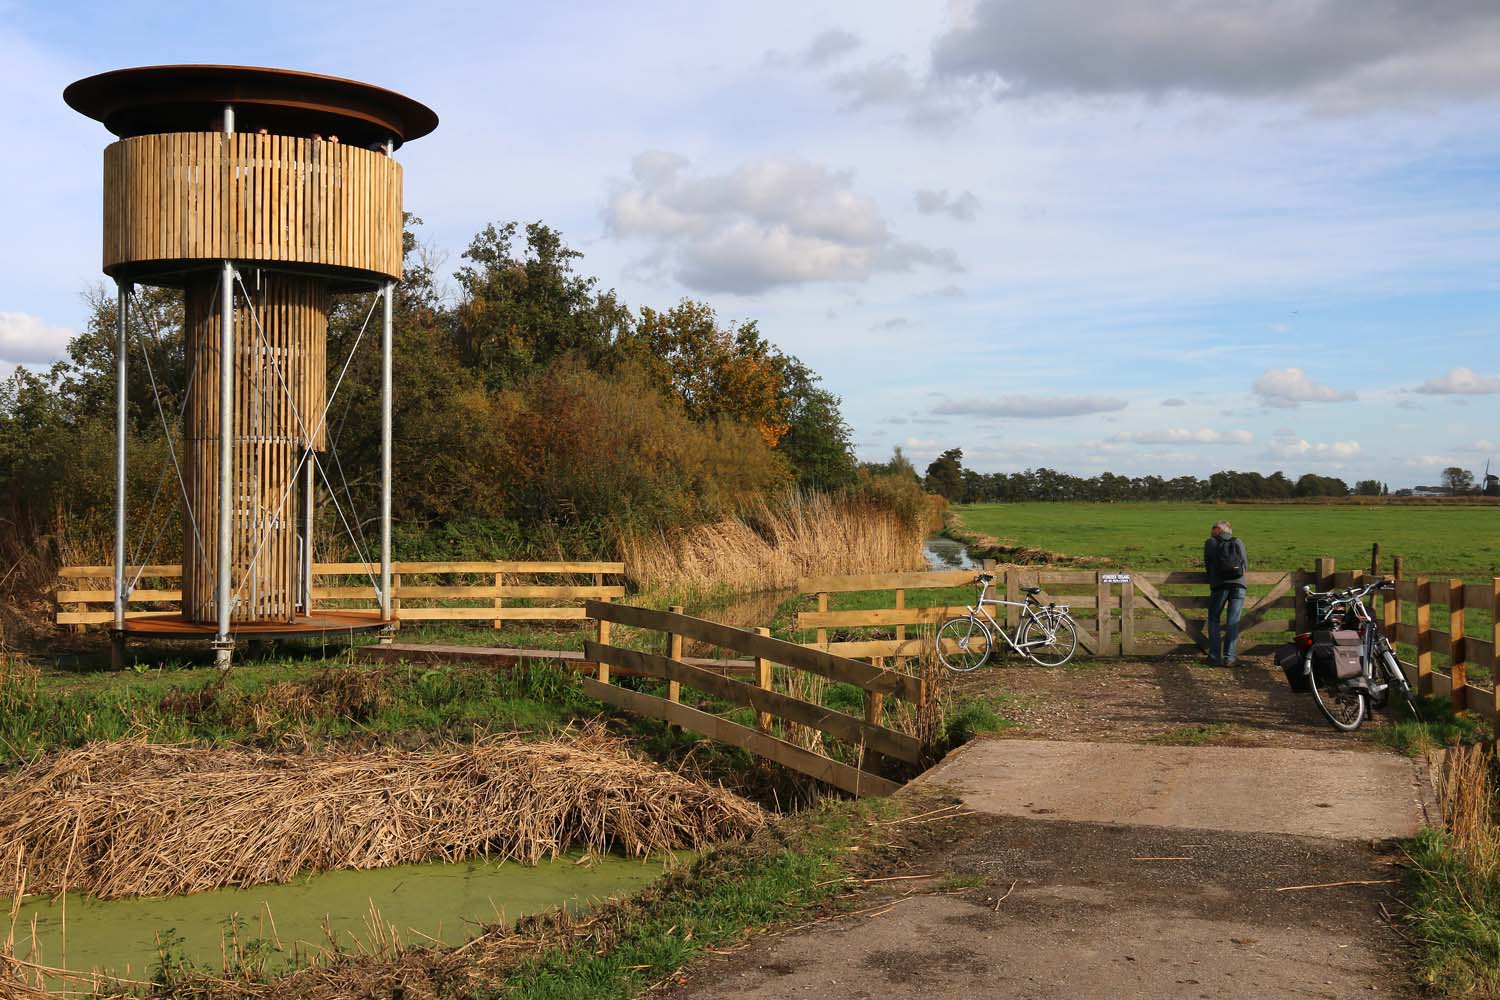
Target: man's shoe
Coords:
[[1231, 662]]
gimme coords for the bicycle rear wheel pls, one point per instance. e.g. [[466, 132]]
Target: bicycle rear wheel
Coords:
[[1054, 636], [963, 644], [1342, 706]]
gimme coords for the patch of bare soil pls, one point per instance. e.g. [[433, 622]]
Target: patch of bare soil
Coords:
[[1167, 699]]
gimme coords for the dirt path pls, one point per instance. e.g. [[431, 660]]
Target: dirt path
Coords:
[[1095, 866], [1174, 699]]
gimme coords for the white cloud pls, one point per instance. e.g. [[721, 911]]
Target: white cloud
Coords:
[[770, 222], [1461, 381], [1181, 435], [1342, 54], [963, 207], [1287, 387], [27, 339], [1031, 407], [1294, 447], [1173, 401]]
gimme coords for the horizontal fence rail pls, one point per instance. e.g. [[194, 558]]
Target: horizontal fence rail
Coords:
[[413, 597]]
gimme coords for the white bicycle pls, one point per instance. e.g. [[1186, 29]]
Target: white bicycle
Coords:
[[1046, 632]]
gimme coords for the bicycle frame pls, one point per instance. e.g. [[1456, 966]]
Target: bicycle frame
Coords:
[[989, 623]]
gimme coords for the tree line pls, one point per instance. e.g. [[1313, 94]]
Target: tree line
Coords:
[[947, 476]]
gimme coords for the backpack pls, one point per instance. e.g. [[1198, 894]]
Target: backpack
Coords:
[[1227, 559]]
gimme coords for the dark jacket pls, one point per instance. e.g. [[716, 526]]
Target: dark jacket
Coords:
[[1211, 561]]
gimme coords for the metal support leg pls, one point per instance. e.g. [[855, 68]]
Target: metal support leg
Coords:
[[122, 313], [385, 452], [223, 645], [310, 474]]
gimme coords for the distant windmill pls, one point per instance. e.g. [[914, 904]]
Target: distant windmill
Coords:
[[1491, 481]]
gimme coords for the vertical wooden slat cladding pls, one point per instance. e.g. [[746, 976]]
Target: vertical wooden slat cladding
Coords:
[[280, 390], [208, 196]]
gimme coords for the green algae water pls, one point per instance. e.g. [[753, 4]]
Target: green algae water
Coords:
[[423, 904]]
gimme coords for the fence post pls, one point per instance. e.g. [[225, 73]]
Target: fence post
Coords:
[[1424, 635], [602, 674], [1301, 618], [674, 652], [1324, 572], [1458, 648], [1101, 598], [499, 601], [1127, 618], [900, 629], [763, 681], [1393, 602], [874, 710], [1495, 640], [1012, 593], [1375, 559], [822, 632], [396, 601]]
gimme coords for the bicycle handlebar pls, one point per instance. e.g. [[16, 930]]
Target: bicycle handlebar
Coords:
[[1347, 596]]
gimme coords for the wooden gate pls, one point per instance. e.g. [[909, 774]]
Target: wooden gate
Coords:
[[868, 736]]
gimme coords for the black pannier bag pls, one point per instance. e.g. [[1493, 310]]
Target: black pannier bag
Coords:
[[1289, 657], [1336, 655]]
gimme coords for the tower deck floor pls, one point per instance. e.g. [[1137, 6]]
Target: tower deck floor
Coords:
[[303, 626]]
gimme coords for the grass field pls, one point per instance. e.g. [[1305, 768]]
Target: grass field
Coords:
[[1435, 540]]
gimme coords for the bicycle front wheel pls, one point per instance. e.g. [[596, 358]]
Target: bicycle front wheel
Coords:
[[963, 644], [1341, 705], [1050, 639]]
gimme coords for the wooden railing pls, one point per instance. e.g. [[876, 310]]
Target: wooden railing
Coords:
[[418, 599], [1411, 615], [864, 734], [211, 196]]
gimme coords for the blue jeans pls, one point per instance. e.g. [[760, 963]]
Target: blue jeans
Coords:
[[1227, 601]]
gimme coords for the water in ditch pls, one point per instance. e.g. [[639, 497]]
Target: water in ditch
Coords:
[[424, 904], [944, 553]]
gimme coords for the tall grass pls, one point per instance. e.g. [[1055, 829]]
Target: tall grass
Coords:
[[772, 544]]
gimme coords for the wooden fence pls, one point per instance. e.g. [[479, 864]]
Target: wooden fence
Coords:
[[1411, 615], [486, 593], [1131, 614], [868, 735], [1118, 612]]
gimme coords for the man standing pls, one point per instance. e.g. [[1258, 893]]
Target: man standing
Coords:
[[1225, 562]]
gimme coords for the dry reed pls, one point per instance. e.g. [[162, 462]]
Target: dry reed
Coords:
[[773, 544], [133, 819], [1466, 793]]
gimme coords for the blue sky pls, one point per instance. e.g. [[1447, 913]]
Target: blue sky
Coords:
[[1167, 236]]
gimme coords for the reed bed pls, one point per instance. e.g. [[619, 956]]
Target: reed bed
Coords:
[[773, 544], [134, 819], [1466, 790]]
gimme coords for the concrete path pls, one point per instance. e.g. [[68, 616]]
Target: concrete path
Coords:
[[1344, 795], [1122, 872]]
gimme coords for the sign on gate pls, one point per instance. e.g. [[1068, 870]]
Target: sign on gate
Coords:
[[1114, 577]]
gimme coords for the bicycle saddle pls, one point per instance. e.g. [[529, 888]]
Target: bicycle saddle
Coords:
[[986, 578], [1033, 590]]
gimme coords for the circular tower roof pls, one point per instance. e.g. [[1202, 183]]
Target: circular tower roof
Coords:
[[153, 99]]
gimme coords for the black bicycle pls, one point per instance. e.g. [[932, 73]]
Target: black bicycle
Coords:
[[1347, 661]]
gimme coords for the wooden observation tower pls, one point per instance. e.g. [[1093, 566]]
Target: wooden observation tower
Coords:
[[259, 193]]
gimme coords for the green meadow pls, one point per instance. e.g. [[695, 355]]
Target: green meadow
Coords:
[[1438, 540]]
